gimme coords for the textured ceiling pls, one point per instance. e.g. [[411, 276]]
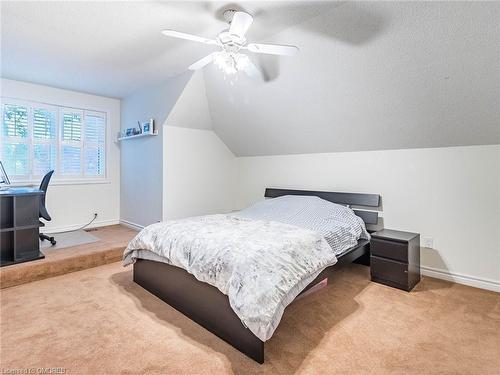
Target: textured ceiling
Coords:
[[369, 75], [115, 48]]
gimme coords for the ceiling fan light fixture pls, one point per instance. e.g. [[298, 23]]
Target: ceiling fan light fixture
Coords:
[[242, 61], [231, 41], [231, 63]]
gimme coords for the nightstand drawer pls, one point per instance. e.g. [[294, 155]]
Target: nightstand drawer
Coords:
[[389, 249], [390, 270]]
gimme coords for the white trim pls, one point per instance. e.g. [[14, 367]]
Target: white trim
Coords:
[[461, 279], [131, 225], [62, 182], [95, 224]]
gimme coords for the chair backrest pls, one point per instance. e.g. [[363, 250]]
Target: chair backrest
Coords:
[[44, 186]]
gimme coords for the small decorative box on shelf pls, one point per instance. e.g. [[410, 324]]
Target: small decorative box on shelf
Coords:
[[395, 258]]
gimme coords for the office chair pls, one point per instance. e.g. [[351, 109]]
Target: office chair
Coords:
[[43, 210]]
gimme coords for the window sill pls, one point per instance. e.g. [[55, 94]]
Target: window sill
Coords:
[[63, 182]]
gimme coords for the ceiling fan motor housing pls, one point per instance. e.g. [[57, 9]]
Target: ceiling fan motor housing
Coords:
[[230, 41], [229, 14]]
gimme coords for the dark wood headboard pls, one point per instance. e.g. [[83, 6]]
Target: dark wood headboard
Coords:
[[352, 199]]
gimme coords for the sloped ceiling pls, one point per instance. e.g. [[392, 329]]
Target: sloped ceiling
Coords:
[[401, 75], [191, 108], [369, 75]]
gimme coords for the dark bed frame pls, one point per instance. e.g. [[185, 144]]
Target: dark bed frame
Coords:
[[210, 308]]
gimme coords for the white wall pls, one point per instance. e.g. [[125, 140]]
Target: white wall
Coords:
[[72, 205], [199, 173], [449, 194], [185, 171], [142, 163]]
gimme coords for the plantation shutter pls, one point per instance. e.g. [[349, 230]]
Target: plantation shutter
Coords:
[[36, 137], [15, 142], [44, 140], [71, 142]]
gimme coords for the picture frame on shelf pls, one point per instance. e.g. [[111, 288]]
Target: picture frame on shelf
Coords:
[[143, 129], [148, 127]]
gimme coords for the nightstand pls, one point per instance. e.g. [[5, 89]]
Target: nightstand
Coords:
[[395, 258]]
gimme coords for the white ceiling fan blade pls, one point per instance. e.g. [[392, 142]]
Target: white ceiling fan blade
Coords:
[[240, 23], [273, 49], [194, 38], [202, 62], [253, 71]]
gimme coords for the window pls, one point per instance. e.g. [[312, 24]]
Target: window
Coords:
[[36, 138]]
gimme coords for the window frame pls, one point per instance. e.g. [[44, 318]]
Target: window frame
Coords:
[[58, 178]]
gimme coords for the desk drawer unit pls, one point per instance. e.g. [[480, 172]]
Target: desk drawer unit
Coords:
[[19, 225]]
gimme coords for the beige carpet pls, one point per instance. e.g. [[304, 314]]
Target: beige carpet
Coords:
[[97, 321], [67, 239], [113, 240]]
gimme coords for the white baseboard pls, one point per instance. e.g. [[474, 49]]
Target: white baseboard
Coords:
[[95, 224], [131, 225], [461, 279], [426, 271]]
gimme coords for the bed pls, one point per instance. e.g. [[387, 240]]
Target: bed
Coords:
[[208, 306]]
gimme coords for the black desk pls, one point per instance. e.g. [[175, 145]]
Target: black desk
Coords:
[[19, 225]]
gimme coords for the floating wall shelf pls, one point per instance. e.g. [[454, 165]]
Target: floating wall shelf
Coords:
[[137, 136]]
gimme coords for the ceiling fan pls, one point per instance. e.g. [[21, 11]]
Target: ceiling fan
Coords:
[[232, 41]]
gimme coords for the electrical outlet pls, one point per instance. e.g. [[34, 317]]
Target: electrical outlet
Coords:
[[428, 242]]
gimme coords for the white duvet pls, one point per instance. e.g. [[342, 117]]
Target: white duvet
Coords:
[[260, 265], [261, 257]]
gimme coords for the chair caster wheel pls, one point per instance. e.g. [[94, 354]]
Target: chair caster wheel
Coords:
[[52, 241]]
